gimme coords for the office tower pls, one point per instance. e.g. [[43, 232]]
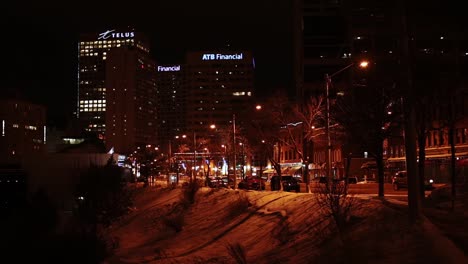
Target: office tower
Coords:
[[93, 51], [321, 45], [131, 115], [22, 129], [220, 84], [172, 103]]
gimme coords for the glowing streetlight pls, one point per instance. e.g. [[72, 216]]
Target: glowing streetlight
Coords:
[[364, 64]]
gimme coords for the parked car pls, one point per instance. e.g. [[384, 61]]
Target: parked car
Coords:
[[289, 182], [352, 180], [216, 182], [400, 180], [252, 183], [228, 182]]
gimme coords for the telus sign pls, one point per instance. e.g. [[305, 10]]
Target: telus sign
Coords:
[[112, 34], [169, 68], [218, 56]]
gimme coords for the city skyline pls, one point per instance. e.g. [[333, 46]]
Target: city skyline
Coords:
[[49, 66], [42, 47]]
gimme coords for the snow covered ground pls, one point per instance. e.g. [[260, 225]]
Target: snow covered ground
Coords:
[[265, 227]]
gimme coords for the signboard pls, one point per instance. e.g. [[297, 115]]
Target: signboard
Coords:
[[111, 34], [218, 56], [169, 68], [121, 160]]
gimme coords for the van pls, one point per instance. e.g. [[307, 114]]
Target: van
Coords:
[[400, 180]]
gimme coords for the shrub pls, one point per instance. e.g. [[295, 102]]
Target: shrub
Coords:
[[175, 221], [336, 204], [283, 232], [238, 206], [189, 193], [237, 252]]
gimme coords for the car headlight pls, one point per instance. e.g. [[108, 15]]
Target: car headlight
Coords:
[[431, 181]]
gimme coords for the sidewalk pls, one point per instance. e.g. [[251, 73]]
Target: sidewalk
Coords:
[[442, 246]]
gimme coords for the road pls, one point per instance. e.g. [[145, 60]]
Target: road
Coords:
[[372, 189]]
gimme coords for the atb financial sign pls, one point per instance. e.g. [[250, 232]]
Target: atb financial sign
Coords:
[[218, 56]]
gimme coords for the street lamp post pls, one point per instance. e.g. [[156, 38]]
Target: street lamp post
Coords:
[[328, 82], [243, 160], [170, 164], [194, 156], [327, 126], [234, 147]]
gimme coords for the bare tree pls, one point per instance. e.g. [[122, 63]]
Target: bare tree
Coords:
[[336, 205], [288, 124], [309, 115]]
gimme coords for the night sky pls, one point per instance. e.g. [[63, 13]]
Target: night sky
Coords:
[[39, 40]]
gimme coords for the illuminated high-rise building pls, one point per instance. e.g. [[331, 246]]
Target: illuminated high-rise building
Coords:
[[93, 51], [220, 84], [131, 115], [172, 102]]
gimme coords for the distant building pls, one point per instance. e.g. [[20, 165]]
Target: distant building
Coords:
[[321, 45], [23, 127], [117, 88], [131, 110], [172, 102], [93, 52], [220, 84]]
